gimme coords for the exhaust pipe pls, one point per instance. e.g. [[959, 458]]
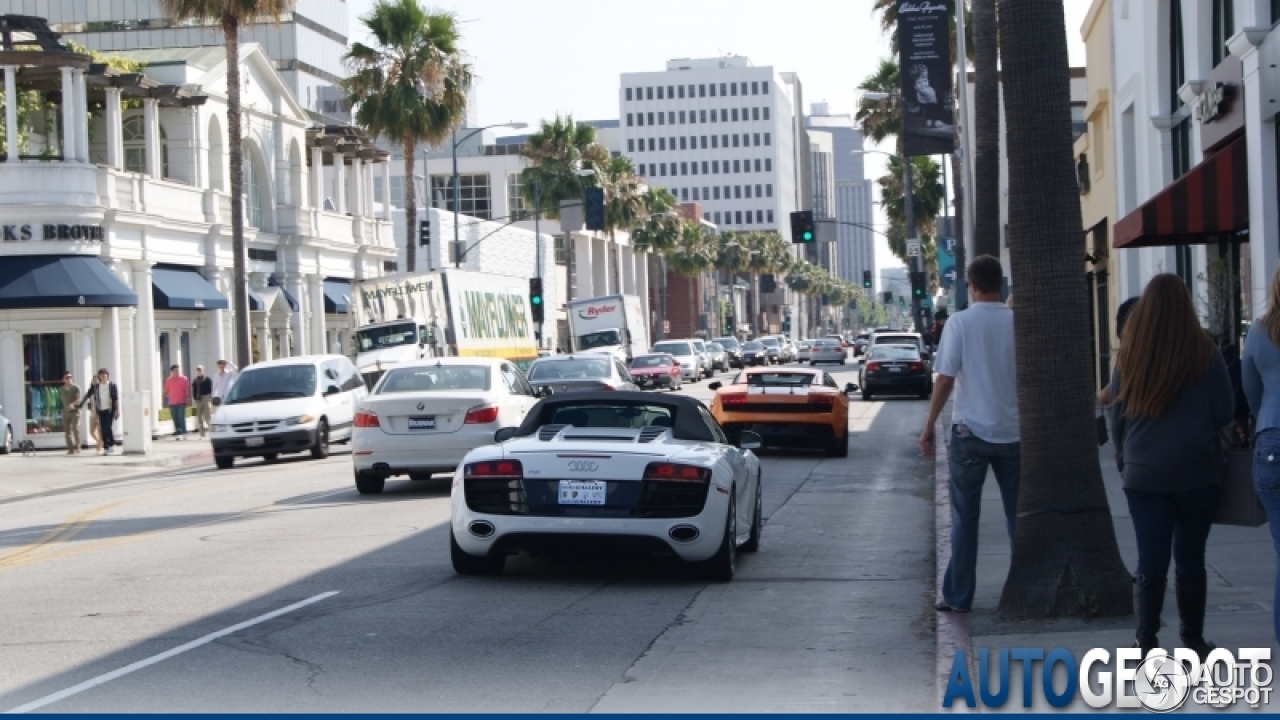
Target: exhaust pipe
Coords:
[[683, 533], [481, 528]]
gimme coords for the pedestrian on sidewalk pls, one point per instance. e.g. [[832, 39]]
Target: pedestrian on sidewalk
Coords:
[[1172, 400], [177, 395], [222, 381], [975, 358], [69, 394], [106, 402], [202, 395], [95, 427], [1260, 366], [1122, 317]]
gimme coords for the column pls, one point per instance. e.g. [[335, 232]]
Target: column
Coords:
[[11, 380], [386, 190], [317, 179], [199, 175], [315, 290], [298, 319], [355, 188], [582, 260], [600, 269], [151, 123], [616, 275], [146, 359], [340, 183], [81, 127], [641, 263], [629, 271], [1264, 224], [68, 116], [114, 130]]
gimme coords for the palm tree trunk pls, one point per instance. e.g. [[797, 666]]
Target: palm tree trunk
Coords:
[[1065, 558], [411, 209], [958, 190], [986, 130], [240, 280]]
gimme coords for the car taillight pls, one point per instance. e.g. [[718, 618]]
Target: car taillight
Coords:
[[606, 386], [481, 415], [917, 366], [675, 472], [827, 400], [873, 366], [494, 469], [735, 399], [366, 419]]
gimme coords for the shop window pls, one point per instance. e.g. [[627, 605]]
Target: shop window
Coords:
[[133, 131], [1224, 26], [45, 358]]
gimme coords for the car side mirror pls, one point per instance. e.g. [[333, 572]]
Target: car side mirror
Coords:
[[332, 390], [543, 391], [750, 441], [715, 385], [504, 434], [850, 387]]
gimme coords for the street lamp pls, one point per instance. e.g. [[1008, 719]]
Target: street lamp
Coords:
[[457, 263]]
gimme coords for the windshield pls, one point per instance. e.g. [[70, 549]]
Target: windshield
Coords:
[[604, 338], [570, 369], [727, 343], [770, 341], [441, 378], [648, 361], [894, 352], [777, 379], [273, 383], [675, 348], [895, 340], [752, 346], [631, 416], [377, 338]]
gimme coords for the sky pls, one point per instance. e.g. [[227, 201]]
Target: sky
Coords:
[[537, 58]]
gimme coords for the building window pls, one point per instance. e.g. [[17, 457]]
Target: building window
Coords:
[[682, 142], [760, 217], [651, 118], [628, 93], [748, 220], [682, 115], [766, 113], [671, 92], [737, 166], [135, 147], [648, 93], [747, 193], [516, 205], [768, 192], [733, 90], [1224, 22], [715, 142], [652, 170], [756, 139], [764, 89], [768, 165], [737, 193], [744, 87], [252, 191], [768, 139], [702, 91], [759, 188], [44, 360], [717, 192], [717, 215], [659, 92], [770, 215], [631, 145], [755, 113], [735, 140], [693, 168], [737, 217], [704, 142], [662, 117], [722, 92], [695, 194], [1181, 133], [397, 191], [704, 167], [684, 168], [671, 118], [715, 167], [684, 194], [735, 115], [650, 144], [702, 114], [474, 197], [662, 143], [682, 91], [631, 117], [757, 164]]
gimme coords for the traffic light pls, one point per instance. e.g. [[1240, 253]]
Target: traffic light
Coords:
[[535, 298], [866, 279], [786, 324], [802, 227], [768, 284], [593, 200], [888, 297], [424, 232], [728, 325], [919, 285]]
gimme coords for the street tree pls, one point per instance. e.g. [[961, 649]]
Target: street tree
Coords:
[[881, 118], [693, 255], [558, 153], [230, 15], [986, 131], [1065, 558], [410, 86], [926, 196]]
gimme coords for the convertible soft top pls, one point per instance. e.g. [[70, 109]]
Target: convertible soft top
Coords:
[[689, 423]]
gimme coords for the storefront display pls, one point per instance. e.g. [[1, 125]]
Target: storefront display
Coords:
[[45, 358]]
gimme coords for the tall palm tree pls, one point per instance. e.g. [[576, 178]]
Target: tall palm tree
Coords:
[[410, 87], [693, 254], [1065, 558], [986, 131], [880, 119], [926, 195], [556, 154], [658, 228], [231, 14]]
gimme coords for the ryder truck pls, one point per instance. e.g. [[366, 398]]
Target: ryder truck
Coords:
[[611, 323]]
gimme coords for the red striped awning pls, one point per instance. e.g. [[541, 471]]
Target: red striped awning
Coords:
[[1209, 202]]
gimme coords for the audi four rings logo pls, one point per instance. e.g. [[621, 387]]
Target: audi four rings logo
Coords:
[[583, 465]]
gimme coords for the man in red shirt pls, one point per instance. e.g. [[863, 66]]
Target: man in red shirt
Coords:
[[177, 395]]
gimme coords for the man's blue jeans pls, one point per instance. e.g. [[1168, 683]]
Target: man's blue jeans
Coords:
[[178, 413], [1266, 480], [968, 458]]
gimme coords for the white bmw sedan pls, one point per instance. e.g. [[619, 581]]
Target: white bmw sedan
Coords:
[[623, 470], [423, 416]]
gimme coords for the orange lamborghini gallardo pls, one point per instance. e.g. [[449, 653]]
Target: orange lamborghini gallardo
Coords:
[[788, 407]]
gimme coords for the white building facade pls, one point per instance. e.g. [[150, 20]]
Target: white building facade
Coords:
[[852, 200]]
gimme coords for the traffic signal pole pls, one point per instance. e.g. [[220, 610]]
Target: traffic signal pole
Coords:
[[909, 211]]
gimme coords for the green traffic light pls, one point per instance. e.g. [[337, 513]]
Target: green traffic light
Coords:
[[536, 300], [808, 235]]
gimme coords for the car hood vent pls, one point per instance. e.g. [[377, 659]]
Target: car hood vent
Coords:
[[549, 432], [650, 433]]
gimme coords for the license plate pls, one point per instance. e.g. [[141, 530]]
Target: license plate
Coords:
[[253, 441], [581, 492], [422, 423], [895, 369]]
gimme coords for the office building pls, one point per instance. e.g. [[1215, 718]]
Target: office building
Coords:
[[855, 246]]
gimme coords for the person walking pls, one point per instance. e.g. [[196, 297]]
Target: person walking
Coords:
[[202, 395], [95, 427], [1122, 317], [222, 381], [177, 395], [975, 359], [69, 394], [1172, 399], [106, 403], [1260, 375]]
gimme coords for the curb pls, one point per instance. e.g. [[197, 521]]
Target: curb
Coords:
[[951, 629]]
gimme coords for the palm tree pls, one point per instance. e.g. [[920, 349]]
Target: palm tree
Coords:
[[693, 254], [880, 119], [1065, 559], [986, 131], [231, 14], [556, 154], [658, 229], [926, 198], [410, 87]]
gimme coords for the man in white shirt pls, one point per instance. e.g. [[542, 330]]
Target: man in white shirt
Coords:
[[976, 359], [222, 380]]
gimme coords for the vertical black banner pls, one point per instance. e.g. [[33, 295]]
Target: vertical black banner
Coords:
[[924, 66]]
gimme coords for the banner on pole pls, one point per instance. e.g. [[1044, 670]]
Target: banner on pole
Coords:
[[924, 67]]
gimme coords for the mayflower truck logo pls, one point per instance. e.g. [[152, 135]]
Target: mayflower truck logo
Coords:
[[371, 296], [493, 316], [591, 312]]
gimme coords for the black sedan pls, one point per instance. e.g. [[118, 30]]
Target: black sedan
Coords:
[[754, 353], [895, 370]]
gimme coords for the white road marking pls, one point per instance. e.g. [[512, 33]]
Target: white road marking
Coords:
[[127, 669], [862, 414]]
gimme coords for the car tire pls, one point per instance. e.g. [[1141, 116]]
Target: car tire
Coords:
[[465, 563], [926, 393], [757, 521], [320, 450], [866, 394], [270, 457], [721, 566], [224, 462], [369, 484], [840, 446], [6, 446]]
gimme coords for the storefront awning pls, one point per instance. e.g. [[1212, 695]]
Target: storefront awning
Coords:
[[56, 281], [1208, 204], [178, 288], [288, 296], [336, 292]]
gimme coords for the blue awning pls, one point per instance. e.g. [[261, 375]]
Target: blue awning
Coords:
[[255, 303], [53, 281], [336, 291], [181, 288], [293, 302]]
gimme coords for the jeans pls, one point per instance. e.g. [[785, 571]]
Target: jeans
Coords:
[[179, 415], [1173, 524], [1266, 480], [105, 420], [968, 458]]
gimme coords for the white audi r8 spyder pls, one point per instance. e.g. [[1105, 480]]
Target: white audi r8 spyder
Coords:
[[592, 470]]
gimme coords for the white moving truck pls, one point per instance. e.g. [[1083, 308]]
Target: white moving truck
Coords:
[[611, 323]]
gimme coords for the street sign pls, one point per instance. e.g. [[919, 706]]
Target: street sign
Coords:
[[666, 326], [913, 248], [949, 244]]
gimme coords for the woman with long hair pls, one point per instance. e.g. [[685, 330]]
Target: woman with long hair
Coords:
[[1172, 399], [1260, 370]]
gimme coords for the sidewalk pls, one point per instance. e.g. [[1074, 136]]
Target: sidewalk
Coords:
[[56, 470], [1240, 563]]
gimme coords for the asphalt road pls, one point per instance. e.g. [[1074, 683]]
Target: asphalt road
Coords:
[[277, 588]]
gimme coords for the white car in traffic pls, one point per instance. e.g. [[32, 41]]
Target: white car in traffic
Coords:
[[423, 416], [621, 470]]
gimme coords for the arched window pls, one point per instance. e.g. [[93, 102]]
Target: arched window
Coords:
[[134, 130], [252, 189]]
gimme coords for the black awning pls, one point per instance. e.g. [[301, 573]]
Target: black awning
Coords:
[[179, 288], [336, 293], [53, 281]]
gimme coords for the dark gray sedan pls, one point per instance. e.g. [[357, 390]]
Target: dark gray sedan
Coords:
[[583, 371]]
